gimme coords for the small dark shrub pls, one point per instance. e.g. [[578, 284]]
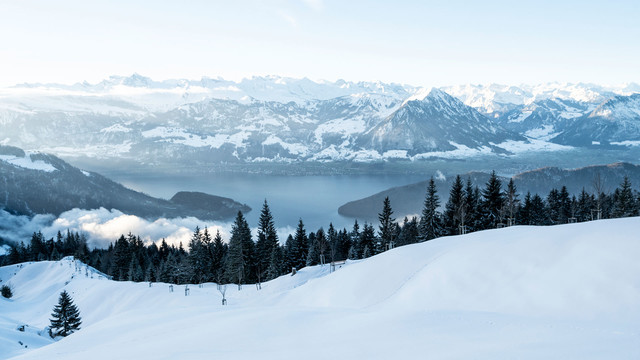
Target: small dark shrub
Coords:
[[6, 291]]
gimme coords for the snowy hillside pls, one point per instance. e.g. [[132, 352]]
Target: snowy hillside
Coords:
[[275, 119], [562, 292]]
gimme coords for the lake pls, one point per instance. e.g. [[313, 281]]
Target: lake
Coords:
[[315, 199]]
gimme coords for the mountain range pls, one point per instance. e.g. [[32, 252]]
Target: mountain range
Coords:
[[272, 119]]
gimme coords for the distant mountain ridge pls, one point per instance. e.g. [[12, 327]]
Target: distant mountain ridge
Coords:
[[38, 183], [409, 199], [277, 119]]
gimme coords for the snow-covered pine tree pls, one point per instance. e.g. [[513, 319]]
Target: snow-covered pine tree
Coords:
[[66, 317]]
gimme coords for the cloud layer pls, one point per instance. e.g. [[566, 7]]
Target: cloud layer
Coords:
[[102, 227]]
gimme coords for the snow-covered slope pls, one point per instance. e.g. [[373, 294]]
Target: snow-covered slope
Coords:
[[569, 291]]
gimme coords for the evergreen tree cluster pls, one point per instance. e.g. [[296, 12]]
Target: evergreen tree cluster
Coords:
[[244, 260], [471, 209]]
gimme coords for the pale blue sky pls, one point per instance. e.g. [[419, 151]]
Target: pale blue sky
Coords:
[[427, 43]]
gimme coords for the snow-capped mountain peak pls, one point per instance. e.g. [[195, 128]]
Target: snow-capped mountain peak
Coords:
[[271, 118]]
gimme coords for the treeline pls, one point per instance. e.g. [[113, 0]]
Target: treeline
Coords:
[[243, 259]]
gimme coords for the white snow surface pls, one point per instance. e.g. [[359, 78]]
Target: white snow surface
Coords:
[[27, 163], [181, 136], [562, 292]]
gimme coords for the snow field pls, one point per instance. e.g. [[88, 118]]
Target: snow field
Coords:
[[561, 292]]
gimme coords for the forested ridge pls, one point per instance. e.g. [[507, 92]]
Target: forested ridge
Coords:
[[243, 259]]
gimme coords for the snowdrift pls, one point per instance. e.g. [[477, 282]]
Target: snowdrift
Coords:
[[569, 291]]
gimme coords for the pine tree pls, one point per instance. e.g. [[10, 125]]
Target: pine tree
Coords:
[[332, 240], [66, 317], [301, 247], [430, 226], [290, 251], [276, 263], [367, 240], [267, 240], [455, 208], [217, 258], [539, 213], [240, 254], [584, 206], [555, 206], [624, 202], [121, 259], [387, 225], [472, 199], [408, 234], [313, 257], [511, 201], [197, 257], [524, 213], [354, 236], [492, 202], [565, 205]]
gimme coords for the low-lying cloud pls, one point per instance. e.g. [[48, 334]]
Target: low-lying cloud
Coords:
[[103, 227]]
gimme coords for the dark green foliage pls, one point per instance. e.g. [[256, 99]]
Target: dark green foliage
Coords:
[[492, 202], [387, 226], [456, 208], [584, 206], [367, 240], [6, 292], [240, 266], [300, 248], [511, 202], [267, 242], [408, 232], [277, 264], [200, 256], [218, 256], [474, 215], [430, 226], [624, 202], [317, 247], [65, 317]]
